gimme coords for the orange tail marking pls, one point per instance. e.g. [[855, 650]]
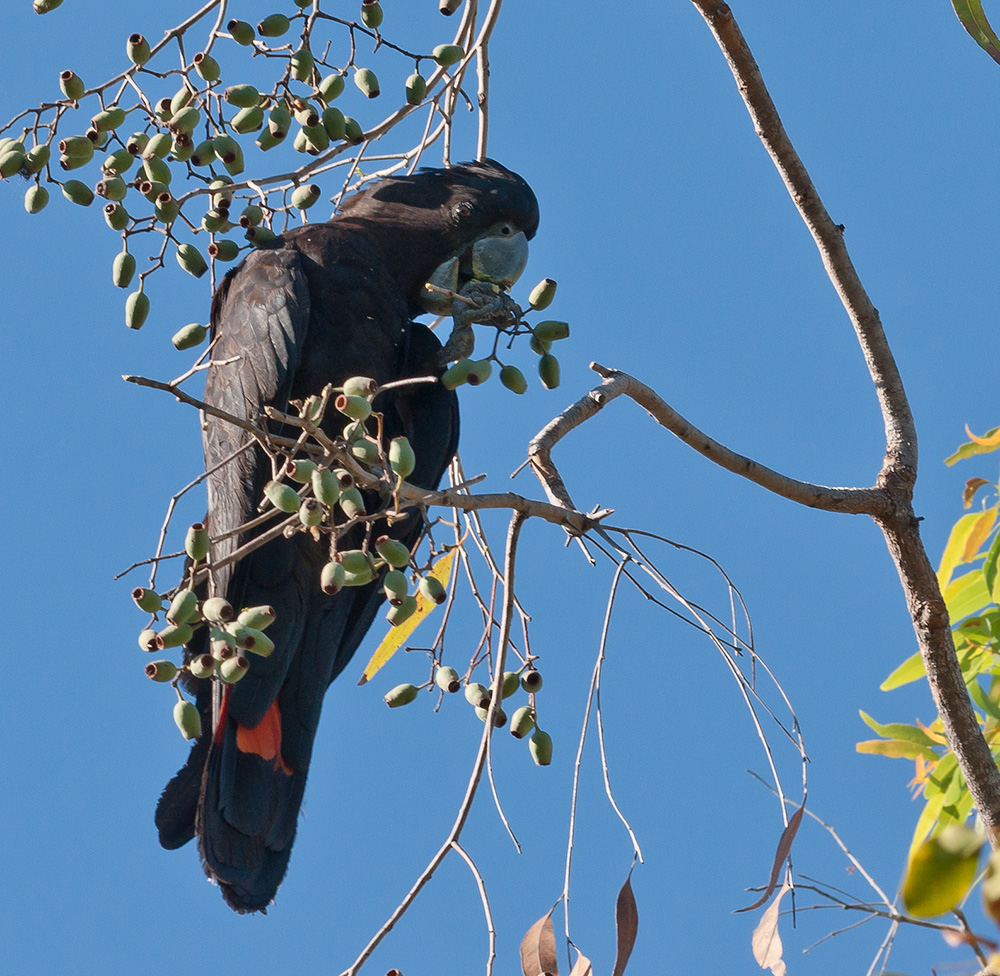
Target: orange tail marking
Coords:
[[265, 739]]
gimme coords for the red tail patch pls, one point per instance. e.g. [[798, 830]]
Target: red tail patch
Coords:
[[265, 739]]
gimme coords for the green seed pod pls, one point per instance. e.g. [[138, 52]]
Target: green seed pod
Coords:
[[117, 218], [226, 148], [203, 154], [531, 681], [235, 165], [367, 82], [355, 407], [353, 132], [416, 88], [224, 250], [310, 512], [136, 309], [354, 560], [182, 149], [432, 589], [302, 4], [77, 192], [304, 197], [351, 503], [522, 722], [360, 386], [122, 270], [257, 642], [233, 668], [156, 169], [248, 119], [282, 497], [174, 635], [187, 338], [202, 666], [166, 209], [65, 162], [196, 542], [511, 683], [162, 110], [217, 609], [11, 163], [400, 695], [354, 431], [302, 65], [324, 486], [241, 32], [405, 610], [187, 719], [136, 144], [550, 330], [72, 85], [137, 49], [191, 260], [305, 114], [259, 618], [542, 294], [457, 375], [185, 120], [317, 139], [240, 636], [251, 216], [548, 370], [259, 236], [395, 586], [513, 379], [118, 162], [147, 640], [331, 87], [476, 694], [35, 198], [273, 26], [36, 158], [148, 600], [267, 141], [161, 670], [112, 188], [108, 120], [499, 716], [300, 143], [447, 680], [46, 6], [182, 607], [77, 146], [394, 552], [333, 123], [539, 346], [207, 67], [402, 460], [183, 97], [479, 372], [331, 578], [358, 579], [221, 644], [371, 14], [157, 146], [300, 470], [447, 54], [222, 196], [365, 450], [7, 144], [540, 746], [279, 121]]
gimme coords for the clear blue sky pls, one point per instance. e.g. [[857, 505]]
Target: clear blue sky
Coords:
[[680, 259]]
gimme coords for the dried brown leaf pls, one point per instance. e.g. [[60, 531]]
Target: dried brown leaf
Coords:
[[784, 847], [582, 966], [766, 942], [971, 487], [627, 924], [538, 949]]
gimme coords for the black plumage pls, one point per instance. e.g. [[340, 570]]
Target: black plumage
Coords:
[[320, 304]]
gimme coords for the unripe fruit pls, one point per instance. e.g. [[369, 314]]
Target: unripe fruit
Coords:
[[185, 120], [367, 82], [207, 67], [324, 486], [203, 154], [353, 132], [447, 54], [162, 110], [531, 681], [305, 114], [72, 85], [109, 119], [202, 666], [395, 586], [137, 143], [233, 668], [223, 250], [116, 217], [331, 578], [317, 138], [36, 198], [241, 32], [511, 683], [351, 503], [156, 169], [300, 470], [174, 635], [260, 618], [188, 719], [217, 609], [354, 560], [404, 611], [456, 375], [538, 346], [479, 372], [191, 260], [222, 197], [182, 607], [355, 407], [248, 119], [371, 14], [161, 670], [136, 309], [394, 552], [304, 197], [76, 146], [279, 121], [513, 379], [147, 640], [416, 88], [216, 220], [540, 746], [257, 642], [118, 162], [196, 542], [239, 635], [259, 236], [499, 716], [273, 26], [522, 722], [122, 270], [402, 460], [156, 147], [433, 590], [365, 450], [282, 497], [310, 512], [148, 600], [302, 64], [166, 209], [360, 386], [331, 87], [548, 370], [137, 49], [400, 695], [36, 158], [226, 148], [447, 680], [11, 162], [542, 294], [550, 330], [476, 694], [359, 579]]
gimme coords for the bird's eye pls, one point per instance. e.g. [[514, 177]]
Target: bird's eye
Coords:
[[463, 210], [506, 230]]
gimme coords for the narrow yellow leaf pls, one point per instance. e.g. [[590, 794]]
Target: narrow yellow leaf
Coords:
[[990, 439]]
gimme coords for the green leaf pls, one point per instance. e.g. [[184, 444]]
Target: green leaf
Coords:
[[970, 13], [941, 871], [912, 669], [895, 749], [990, 568], [967, 595], [897, 730], [926, 821], [962, 532], [940, 779], [971, 448], [979, 696]]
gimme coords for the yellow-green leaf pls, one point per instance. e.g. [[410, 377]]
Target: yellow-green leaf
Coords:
[[897, 730], [398, 636], [979, 445], [981, 529], [954, 551], [970, 13], [912, 669], [895, 749], [940, 871], [966, 595]]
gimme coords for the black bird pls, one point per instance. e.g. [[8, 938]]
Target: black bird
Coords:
[[322, 303]]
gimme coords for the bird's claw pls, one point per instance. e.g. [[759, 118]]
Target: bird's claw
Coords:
[[493, 306]]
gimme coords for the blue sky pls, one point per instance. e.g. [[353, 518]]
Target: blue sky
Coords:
[[679, 259]]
